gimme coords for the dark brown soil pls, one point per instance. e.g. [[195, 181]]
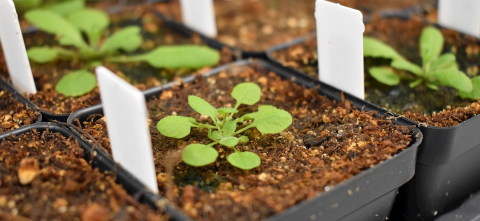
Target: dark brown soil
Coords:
[[256, 25], [140, 75], [327, 143], [403, 35], [44, 177], [14, 114]]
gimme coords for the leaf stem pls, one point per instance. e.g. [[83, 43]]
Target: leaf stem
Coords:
[[244, 129], [204, 126], [123, 58]]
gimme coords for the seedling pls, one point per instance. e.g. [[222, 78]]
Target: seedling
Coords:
[[437, 70], [268, 120], [92, 23]]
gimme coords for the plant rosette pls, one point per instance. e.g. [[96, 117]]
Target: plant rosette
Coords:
[[426, 94], [133, 44], [254, 26], [327, 143], [45, 177]]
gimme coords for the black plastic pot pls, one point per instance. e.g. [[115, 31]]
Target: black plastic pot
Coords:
[[45, 115], [102, 161], [448, 168], [372, 192], [19, 98]]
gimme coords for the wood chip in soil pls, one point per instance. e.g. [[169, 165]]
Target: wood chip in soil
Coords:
[[45, 177], [328, 143]]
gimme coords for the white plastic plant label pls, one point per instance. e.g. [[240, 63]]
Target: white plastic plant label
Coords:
[[200, 16], [461, 15], [126, 113], [14, 49], [340, 47]]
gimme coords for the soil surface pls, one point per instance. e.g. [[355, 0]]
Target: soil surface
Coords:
[[327, 143], [45, 177], [140, 75], [256, 25], [14, 114], [419, 103]]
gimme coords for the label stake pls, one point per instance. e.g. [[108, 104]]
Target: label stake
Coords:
[[14, 49], [125, 109], [340, 47], [200, 16], [461, 15]]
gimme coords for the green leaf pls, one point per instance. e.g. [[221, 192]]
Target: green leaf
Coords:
[[432, 86], [226, 110], [202, 107], [127, 39], [229, 128], [175, 126], [431, 44], [385, 75], [90, 21], [76, 83], [55, 24], [42, 54], [246, 93], [475, 93], [216, 135], [180, 56], [199, 155], [244, 139], [229, 141], [445, 62], [416, 83], [270, 120], [24, 5], [67, 7], [453, 78], [407, 66], [244, 160], [375, 48]]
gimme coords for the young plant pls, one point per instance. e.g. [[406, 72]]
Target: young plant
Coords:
[[225, 131], [437, 70], [95, 47]]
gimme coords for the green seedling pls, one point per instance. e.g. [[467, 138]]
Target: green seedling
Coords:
[[225, 131], [437, 69], [96, 47]]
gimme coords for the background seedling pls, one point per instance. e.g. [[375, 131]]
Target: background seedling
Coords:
[[95, 47], [268, 119], [437, 69]]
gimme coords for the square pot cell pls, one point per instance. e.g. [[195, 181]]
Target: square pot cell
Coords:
[[57, 106], [449, 124], [299, 155], [48, 173]]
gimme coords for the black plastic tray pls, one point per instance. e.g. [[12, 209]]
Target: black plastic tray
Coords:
[[468, 211], [19, 98], [376, 186], [102, 161], [448, 168]]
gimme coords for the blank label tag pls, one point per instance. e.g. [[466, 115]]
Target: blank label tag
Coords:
[[461, 15], [14, 49], [340, 47], [200, 16], [126, 113]]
